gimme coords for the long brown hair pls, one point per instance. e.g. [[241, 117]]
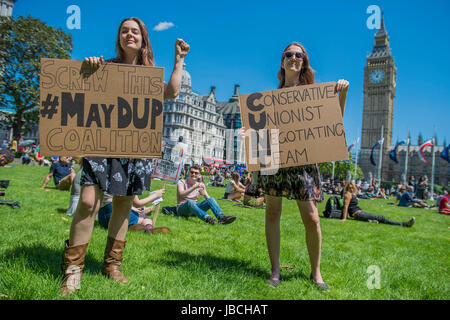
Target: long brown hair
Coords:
[[306, 75], [145, 53]]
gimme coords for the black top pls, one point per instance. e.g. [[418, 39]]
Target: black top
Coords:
[[353, 206]]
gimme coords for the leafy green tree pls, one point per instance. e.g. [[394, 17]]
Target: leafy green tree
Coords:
[[340, 169], [23, 42]]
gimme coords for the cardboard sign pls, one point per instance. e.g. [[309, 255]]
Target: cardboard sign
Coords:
[[292, 127], [114, 110], [169, 167]]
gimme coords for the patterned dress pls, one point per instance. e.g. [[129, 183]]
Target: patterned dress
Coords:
[[118, 176], [300, 183]]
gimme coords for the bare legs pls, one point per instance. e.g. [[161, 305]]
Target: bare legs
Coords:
[[118, 224], [273, 214], [310, 218], [84, 218], [88, 206], [313, 235]]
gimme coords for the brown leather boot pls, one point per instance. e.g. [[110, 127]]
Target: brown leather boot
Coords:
[[72, 266], [113, 260]]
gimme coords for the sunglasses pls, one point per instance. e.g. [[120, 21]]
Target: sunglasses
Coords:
[[195, 172], [298, 55]]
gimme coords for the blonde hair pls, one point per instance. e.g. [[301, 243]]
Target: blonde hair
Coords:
[[350, 186]]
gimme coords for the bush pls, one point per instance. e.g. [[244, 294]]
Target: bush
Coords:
[[388, 184]]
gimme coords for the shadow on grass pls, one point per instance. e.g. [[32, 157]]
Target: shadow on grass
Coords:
[[206, 261], [45, 260]]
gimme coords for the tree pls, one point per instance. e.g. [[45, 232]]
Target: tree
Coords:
[[23, 42], [340, 169]]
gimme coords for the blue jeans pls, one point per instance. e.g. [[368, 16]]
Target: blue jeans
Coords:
[[105, 213], [192, 209]]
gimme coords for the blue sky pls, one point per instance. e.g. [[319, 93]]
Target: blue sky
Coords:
[[240, 42]]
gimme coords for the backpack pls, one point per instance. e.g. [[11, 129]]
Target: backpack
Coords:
[[333, 208]]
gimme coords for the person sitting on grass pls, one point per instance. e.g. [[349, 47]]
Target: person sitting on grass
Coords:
[[235, 189], [138, 220], [407, 200], [444, 206], [187, 195], [26, 159], [398, 195], [62, 173], [351, 209], [254, 196], [6, 156], [217, 180]]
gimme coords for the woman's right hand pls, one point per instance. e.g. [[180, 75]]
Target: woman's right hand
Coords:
[[94, 61]]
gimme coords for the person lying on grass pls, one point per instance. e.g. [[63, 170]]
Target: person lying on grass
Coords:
[[351, 209], [254, 196], [139, 221]]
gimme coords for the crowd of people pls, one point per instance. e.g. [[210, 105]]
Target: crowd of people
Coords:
[[112, 188]]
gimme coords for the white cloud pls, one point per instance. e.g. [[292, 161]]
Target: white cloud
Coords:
[[163, 26]]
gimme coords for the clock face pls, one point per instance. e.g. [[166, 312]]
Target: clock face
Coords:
[[376, 76]]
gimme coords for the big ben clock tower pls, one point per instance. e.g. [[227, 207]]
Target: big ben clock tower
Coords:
[[378, 108]]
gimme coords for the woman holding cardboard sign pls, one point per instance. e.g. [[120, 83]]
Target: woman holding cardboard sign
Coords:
[[122, 178], [301, 183]]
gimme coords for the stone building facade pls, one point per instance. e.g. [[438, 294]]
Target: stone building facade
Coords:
[[203, 123]]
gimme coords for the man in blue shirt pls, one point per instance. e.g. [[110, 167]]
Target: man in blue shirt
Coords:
[[62, 173], [406, 200]]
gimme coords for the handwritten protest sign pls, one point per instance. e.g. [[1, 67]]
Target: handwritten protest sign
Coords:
[[114, 110], [169, 167], [293, 126]]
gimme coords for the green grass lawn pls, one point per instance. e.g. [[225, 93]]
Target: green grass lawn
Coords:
[[200, 261]]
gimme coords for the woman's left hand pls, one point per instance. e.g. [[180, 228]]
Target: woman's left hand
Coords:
[[181, 48], [342, 86]]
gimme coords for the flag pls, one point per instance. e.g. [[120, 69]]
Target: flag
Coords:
[[351, 147], [393, 152], [444, 153], [379, 142], [353, 144], [420, 153]]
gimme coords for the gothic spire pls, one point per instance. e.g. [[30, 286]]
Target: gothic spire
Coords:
[[381, 47], [382, 30]]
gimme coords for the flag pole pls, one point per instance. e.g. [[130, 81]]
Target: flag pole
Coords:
[[356, 159], [432, 167], [332, 174], [380, 157], [406, 162]]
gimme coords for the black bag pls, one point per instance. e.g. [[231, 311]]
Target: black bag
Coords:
[[333, 208]]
